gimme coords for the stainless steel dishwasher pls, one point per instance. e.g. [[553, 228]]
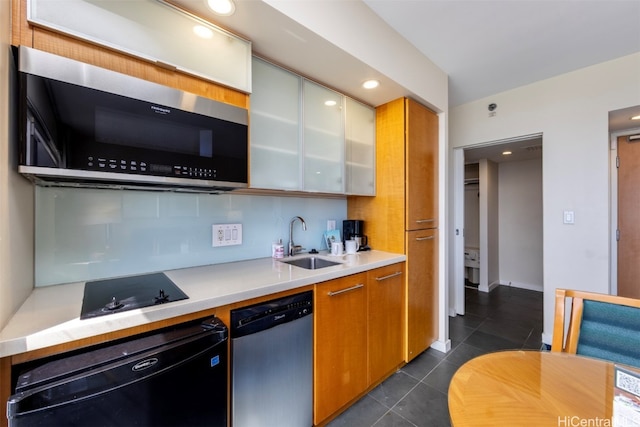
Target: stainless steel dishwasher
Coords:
[[272, 363]]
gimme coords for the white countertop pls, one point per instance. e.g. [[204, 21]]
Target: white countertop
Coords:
[[51, 315]]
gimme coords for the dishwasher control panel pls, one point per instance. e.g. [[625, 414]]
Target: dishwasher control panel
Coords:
[[253, 318]]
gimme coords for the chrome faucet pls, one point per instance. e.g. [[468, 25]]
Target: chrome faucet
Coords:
[[293, 249]]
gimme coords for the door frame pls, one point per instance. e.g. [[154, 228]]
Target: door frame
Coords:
[[458, 235], [457, 256], [613, 207]]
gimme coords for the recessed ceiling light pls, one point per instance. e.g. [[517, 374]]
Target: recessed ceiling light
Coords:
[[202, 31], [371, 84], [506, 153], [635, 118], [222, 7], [330, 103]]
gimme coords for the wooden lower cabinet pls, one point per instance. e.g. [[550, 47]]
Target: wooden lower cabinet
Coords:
[[340, 343], [358, 336], [422, 291], [385, 290]]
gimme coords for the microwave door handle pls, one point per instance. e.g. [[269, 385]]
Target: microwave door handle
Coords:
[[35, 137], [29, 150]]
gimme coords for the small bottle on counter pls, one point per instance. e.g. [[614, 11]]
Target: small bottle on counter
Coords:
[[277, 249]]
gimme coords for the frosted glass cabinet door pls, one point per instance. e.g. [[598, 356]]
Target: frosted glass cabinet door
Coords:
[[360, 131], [323, 139], [275, 128]]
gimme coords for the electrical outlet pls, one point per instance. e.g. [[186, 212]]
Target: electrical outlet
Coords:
[[331, 224], [226, 234]]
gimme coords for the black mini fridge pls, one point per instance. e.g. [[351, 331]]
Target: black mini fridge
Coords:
[[173, 377]]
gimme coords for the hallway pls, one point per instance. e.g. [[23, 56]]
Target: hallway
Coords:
[[416, 395]]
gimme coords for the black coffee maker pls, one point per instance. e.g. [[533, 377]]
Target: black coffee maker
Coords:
[[353, 229]]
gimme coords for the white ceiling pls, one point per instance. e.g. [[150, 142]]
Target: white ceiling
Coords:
[[489, 46], [485, 46]]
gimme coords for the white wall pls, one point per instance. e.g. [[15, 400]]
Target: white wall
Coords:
[[472, 216], [520, 187], [571, 111], [16, 197], [489, 226]]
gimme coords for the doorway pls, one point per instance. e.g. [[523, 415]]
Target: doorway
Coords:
[[509, 247], [623, 240]]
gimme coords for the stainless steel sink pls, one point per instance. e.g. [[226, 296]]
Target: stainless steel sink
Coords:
[[311, 263]]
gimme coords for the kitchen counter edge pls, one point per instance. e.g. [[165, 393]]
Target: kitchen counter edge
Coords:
[[50, 315]]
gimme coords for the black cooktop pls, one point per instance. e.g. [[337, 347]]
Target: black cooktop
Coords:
[[110, 296]]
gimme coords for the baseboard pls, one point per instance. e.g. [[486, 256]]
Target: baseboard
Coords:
[[442, 346], [489, 288], [521, 285]]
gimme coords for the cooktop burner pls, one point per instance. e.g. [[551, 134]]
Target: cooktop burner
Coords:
[[109, 296]]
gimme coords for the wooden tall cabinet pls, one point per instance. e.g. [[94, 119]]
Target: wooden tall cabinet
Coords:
[[402, 217]]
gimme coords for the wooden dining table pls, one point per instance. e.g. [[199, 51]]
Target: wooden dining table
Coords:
[[532, 388]]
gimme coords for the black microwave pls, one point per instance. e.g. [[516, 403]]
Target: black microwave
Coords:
[[82, 125]]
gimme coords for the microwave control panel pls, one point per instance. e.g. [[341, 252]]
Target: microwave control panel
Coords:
[[144, 168]]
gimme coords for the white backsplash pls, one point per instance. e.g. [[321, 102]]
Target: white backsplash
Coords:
[[86, 234]]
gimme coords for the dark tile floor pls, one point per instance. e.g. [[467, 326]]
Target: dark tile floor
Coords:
[[416, 395]]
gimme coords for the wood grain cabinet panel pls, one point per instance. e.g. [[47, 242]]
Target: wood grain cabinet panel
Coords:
[[385, 290], [422, 291], [340, 343], [421, 166]]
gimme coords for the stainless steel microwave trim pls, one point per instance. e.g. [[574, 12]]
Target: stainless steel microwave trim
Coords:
[[54, 177], [33, 61]]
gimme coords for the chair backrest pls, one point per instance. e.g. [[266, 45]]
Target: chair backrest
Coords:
[[601, 326]]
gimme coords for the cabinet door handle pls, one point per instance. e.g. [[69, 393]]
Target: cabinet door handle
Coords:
[[341, 291], [419, 221], [419, 239], [397, 273]]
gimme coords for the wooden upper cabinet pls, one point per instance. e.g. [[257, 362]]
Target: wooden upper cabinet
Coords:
[[74, 47], [421, 167]]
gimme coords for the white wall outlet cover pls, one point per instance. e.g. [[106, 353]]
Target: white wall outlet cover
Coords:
[[331, 224], [226, 235]]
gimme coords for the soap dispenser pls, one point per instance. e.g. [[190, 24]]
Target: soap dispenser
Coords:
[[277, 249]]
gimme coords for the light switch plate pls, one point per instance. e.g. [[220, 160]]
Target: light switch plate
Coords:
[[569, 217], [226, 235]]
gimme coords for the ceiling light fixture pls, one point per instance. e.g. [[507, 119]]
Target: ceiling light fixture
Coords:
[[635, 118], [222, 7], [371, 84], [506, 153], [330, 103]]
